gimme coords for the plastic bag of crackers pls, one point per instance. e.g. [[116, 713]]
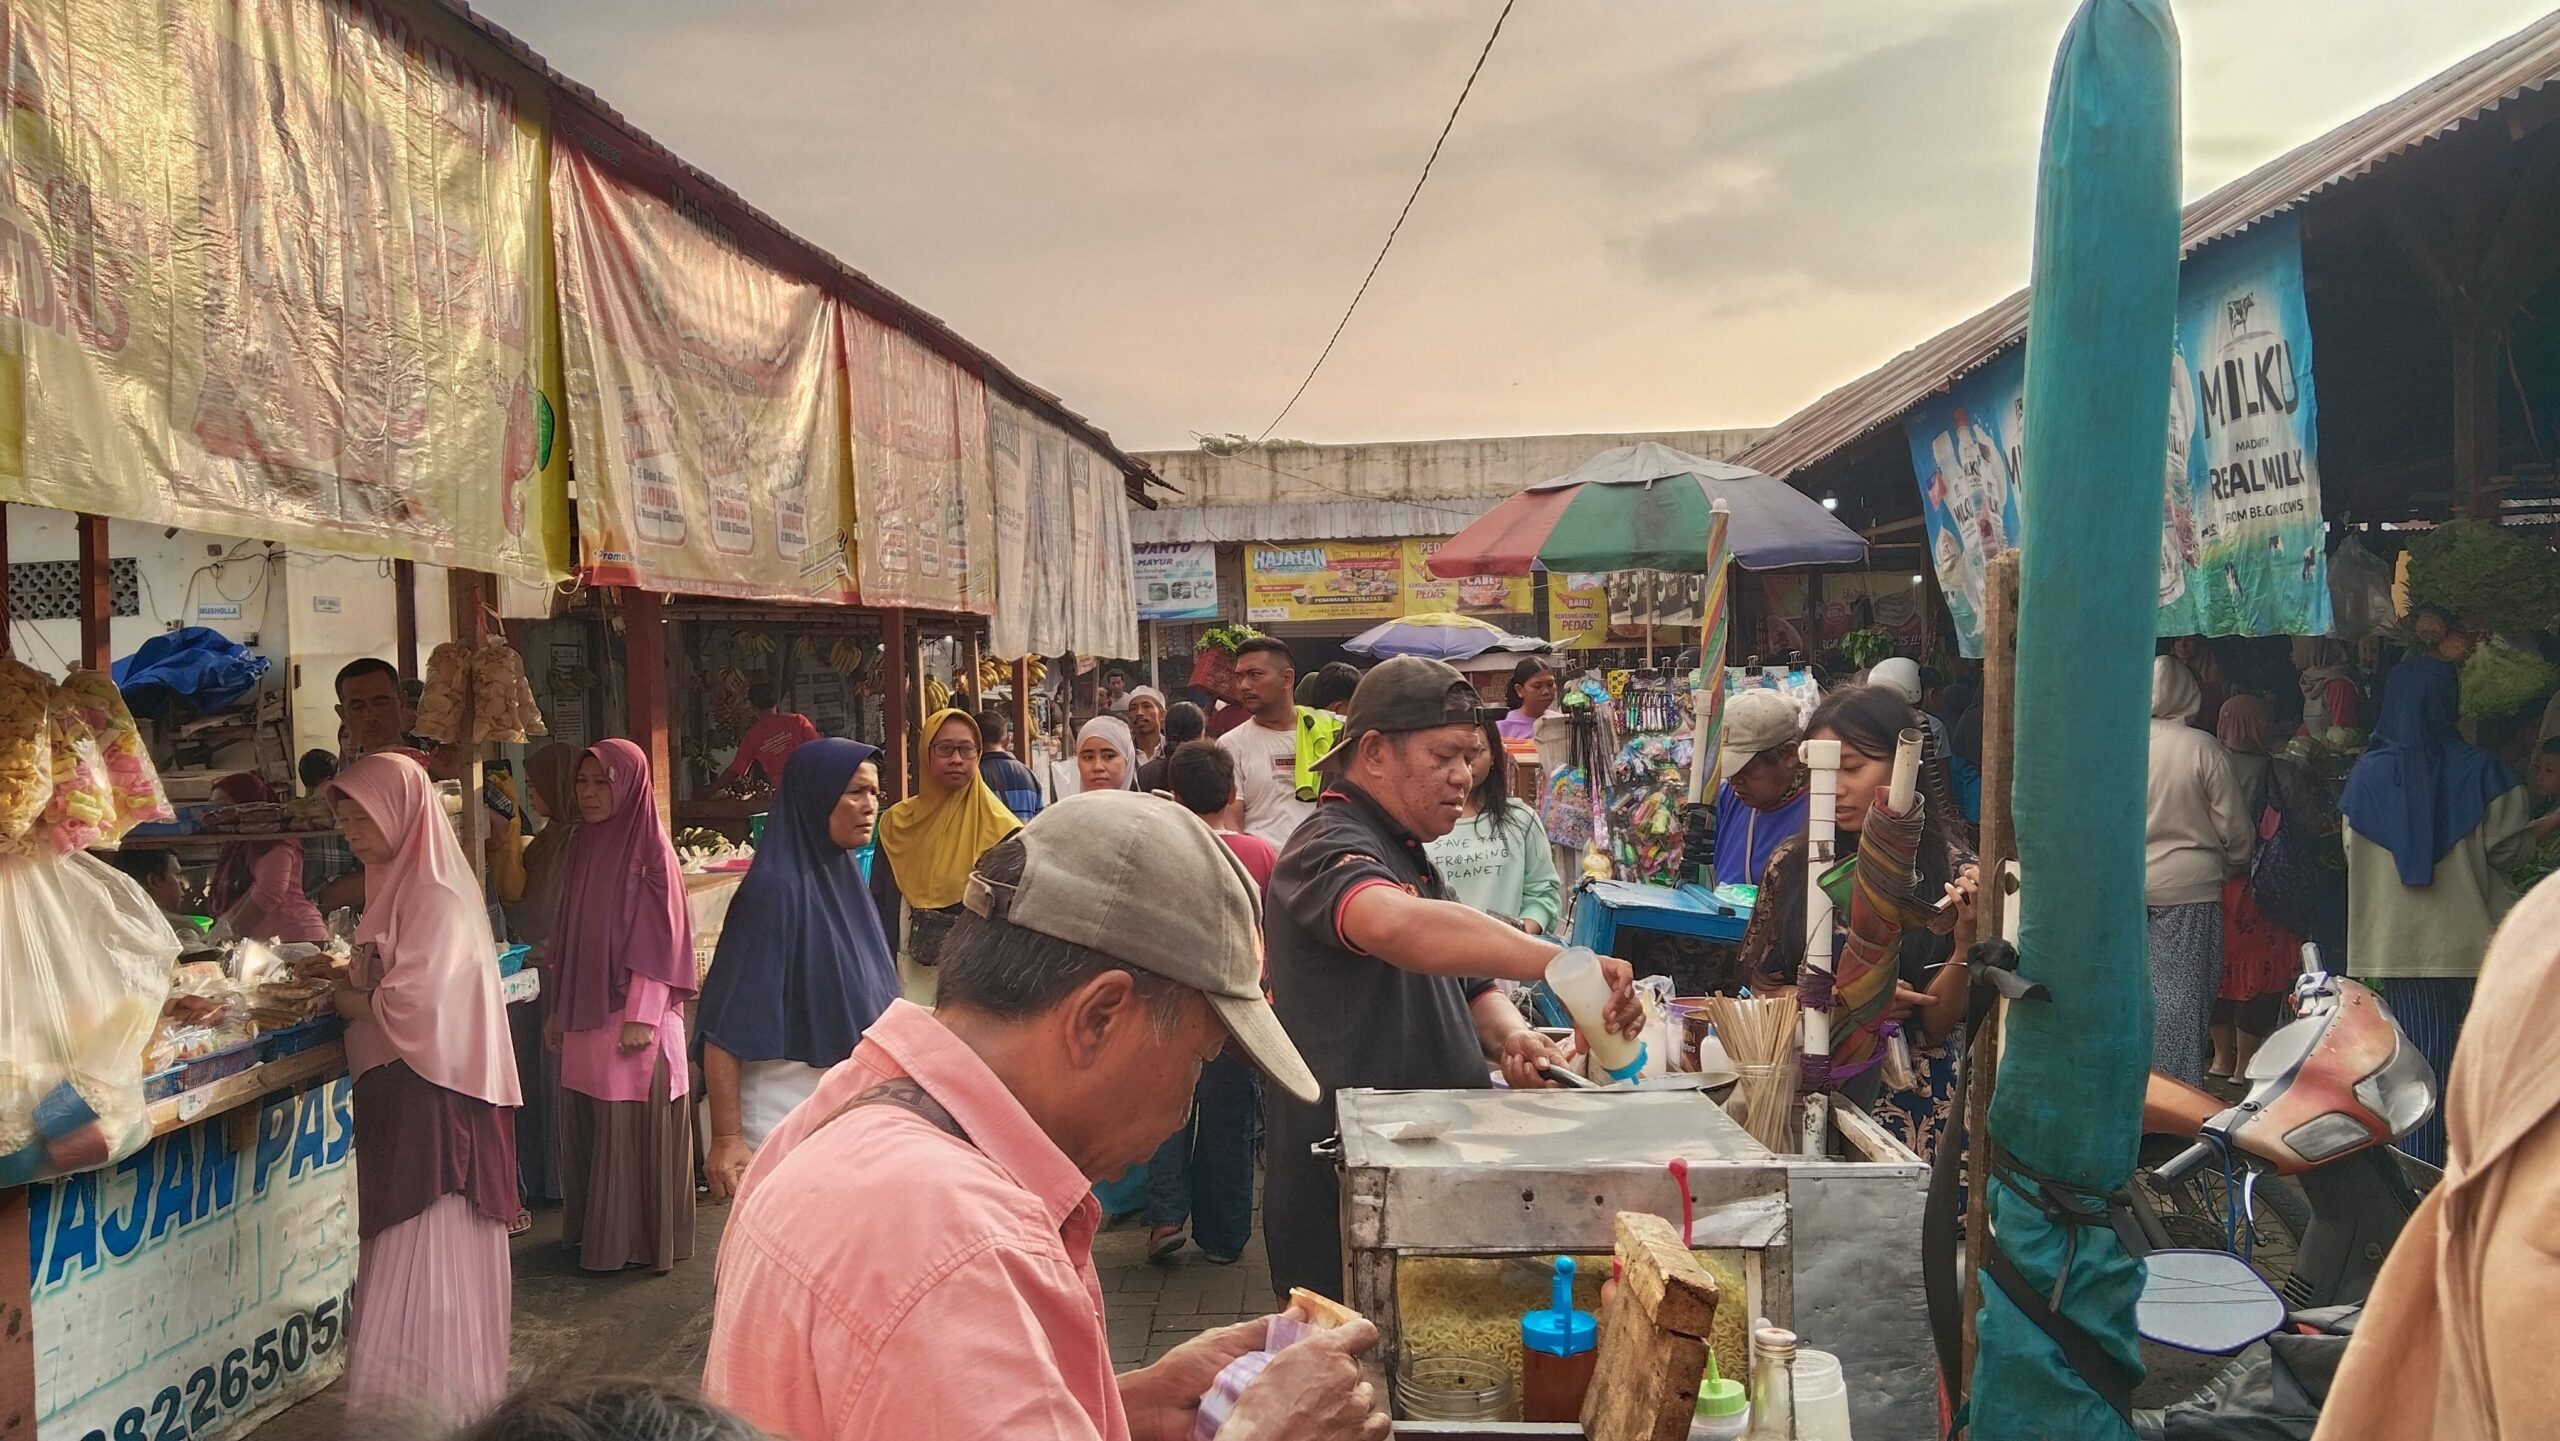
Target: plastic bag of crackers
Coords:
[[135, 781], [26, 750], [85, 962]]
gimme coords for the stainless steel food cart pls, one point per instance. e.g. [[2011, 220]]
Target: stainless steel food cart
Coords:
[[1451, 1197]]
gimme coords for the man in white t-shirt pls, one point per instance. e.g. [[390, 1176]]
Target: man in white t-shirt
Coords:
[[1266, 747]]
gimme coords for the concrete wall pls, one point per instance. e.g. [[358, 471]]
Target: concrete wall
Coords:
[[1402, 470], [189, 578]]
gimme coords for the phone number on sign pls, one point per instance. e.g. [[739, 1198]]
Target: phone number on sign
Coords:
[[247, 1374]]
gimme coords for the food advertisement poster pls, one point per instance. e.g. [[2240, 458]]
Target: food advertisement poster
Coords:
[[190, 1287], [706, 391], [1176, 581], [1062, 563], [1328, 580], [1605, 609], [1478, 595], [924, 511], [206, 329], [2241, 530]]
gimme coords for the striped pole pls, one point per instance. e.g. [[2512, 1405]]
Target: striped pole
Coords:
[[1709, 701]]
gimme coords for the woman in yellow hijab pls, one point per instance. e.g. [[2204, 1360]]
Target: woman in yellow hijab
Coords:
[[930, 842]]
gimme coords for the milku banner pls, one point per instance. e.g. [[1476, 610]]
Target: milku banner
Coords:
[[2241, 533]]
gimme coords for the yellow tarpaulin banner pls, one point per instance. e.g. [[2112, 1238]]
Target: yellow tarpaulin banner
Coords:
[[1324, 580], [706, 398], [277, 268], [1481, 595], [925, 494]]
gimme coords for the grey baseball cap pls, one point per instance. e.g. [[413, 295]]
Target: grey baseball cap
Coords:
[[1144, 881], [1755, 721]]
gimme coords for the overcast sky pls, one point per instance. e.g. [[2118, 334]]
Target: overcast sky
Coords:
[[1654, 214]]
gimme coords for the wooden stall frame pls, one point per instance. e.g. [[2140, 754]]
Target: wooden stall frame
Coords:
[[1999, 851], [97, 595], [644, 654]]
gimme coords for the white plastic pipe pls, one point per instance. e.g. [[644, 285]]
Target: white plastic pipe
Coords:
[[1906, 773], [1822, 775]]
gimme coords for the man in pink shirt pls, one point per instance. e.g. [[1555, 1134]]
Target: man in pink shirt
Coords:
[[911, 1255]]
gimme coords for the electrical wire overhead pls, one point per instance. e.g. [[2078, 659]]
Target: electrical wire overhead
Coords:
[[1394, 230]]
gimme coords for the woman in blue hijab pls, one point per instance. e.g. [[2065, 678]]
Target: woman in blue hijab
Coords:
[[803, 966], [2432, 824]]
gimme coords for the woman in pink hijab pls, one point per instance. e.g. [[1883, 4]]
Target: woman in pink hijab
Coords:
[[435, 1099], [620, 968]]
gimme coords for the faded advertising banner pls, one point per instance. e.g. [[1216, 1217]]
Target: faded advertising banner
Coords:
[[2241, 534], [1063, 578], [704, 396], [276, 268], [925, 507]]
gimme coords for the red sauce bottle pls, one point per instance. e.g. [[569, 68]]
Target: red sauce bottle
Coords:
[[1559, 1349]]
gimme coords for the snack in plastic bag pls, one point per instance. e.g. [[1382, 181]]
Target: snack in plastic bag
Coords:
[[1308, 1315], [84, 967], [135, 780], [81, 812], [442, 710], [503, 707], [26, 749]]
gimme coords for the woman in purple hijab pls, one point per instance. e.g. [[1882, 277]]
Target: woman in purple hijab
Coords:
[[621, 965]]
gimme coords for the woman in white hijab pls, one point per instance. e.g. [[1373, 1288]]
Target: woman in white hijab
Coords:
[[1106, 758]]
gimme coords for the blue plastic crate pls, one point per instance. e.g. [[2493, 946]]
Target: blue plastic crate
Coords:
[[300, 1037]]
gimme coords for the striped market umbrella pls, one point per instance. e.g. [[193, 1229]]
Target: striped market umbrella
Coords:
[[1647, 507], [1441, 635]]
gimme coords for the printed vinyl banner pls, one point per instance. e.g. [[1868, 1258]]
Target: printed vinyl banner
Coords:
[[1327, 580], [276, 268], [1481, 595], [2241, 535], [1177, 581], [1063, 580], [1606, 609], [191, 1287], [925, 509], [704, 397]]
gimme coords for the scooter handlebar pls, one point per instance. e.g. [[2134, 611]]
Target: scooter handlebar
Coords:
[[2186, 1163]]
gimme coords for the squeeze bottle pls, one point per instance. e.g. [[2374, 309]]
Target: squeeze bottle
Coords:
[[1574, 975], [1559, 1349]]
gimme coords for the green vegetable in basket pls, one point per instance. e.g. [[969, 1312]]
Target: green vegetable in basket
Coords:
[[2486, 574], [2501, 679]]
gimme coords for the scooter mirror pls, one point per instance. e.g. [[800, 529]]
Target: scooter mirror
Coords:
[[2207, 1301]]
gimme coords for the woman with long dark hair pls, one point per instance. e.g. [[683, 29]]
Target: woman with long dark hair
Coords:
[[1929, 988], [1531, 693], [1498, 860]]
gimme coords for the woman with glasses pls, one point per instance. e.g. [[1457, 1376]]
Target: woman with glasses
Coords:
[[929, 843]]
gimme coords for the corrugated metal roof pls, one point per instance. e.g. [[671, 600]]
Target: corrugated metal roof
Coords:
[[1303, 520], [2524, 61], [930, 329]]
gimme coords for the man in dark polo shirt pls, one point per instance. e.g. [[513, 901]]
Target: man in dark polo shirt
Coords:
[[1379, 978]]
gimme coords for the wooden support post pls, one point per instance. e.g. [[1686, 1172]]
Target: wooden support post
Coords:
[[466, 597], [1022, 710], [5, 651], [644, 652], [897, 705], [17, 1322], [97, 595], [404, 614], [1999, 848]]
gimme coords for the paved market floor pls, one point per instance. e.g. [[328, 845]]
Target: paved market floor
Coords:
[[571, 1323]]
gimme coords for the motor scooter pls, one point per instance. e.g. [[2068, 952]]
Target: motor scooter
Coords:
[[2303, 1168]]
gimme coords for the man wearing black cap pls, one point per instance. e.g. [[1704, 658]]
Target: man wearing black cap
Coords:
[[1380, 979]]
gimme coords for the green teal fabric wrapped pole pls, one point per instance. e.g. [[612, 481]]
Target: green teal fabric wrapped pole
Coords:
[[2101, 327]]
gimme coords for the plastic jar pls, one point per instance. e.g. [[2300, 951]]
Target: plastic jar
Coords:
[[1454, 1388]]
